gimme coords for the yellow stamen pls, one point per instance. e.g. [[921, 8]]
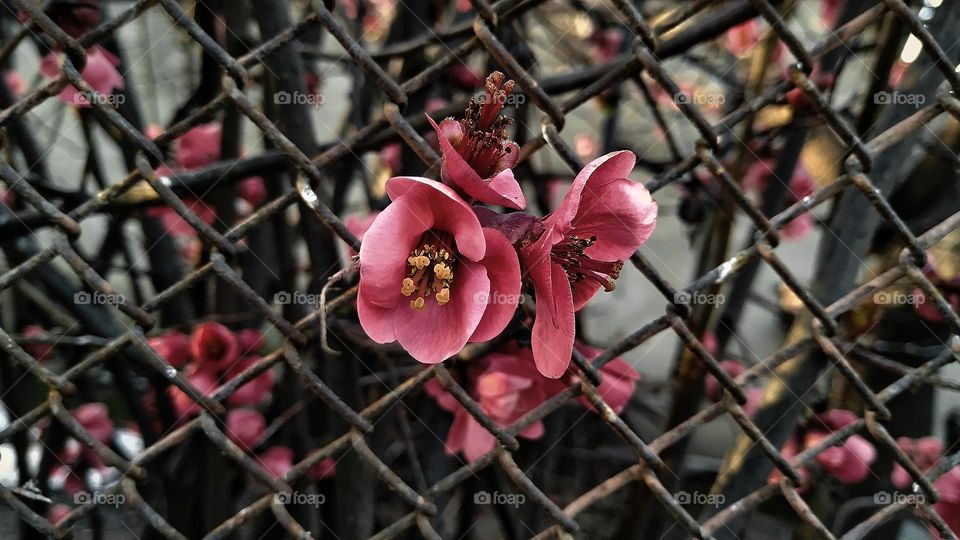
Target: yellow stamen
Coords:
[[408, 287], [443, 296], [418, 303]]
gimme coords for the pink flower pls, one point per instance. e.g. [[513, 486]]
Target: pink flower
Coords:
[[603, 219], [758, 177], [713, 389], [924, 452], [428, 272], [326, 468], [213, 345], [605, 44], [462, 76], [254, 392], [848, 463], [40, 351], [359, 226], [252, 190], [57, 512], [175, 225], [14, 82], [172, 346], [277, 460], [200, 146], [743, 40], [100, 72], [390, 157], [477, 156], [618, 380], [204, 381], [245, 427], [948, 486], [249, 340], [95, 418], [506, 386]]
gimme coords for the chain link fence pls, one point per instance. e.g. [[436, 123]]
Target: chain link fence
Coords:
[[823, 338]]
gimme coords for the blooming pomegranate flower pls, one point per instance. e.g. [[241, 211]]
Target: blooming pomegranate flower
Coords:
[[213, 345], [277, 460], [100, 72], [925, 452], [245, 427], [506, 386], [174, 347], [579, 248], [477, 156], [428, 271]]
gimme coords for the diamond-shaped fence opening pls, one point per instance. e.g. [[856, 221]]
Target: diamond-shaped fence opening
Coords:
[[112, 237]]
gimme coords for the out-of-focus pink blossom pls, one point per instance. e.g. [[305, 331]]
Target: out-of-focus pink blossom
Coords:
[[100, 72], [245, 427], [57, 512], [618, 380], [252, 190], [250, 341], [277, 460], [757, 179], [326, 468], [40, 351], [605, 44], [213, 345], [95, 418], [254, 392], [14, 82], [172, 346], [205, 383], [924, 452], [463, 76]]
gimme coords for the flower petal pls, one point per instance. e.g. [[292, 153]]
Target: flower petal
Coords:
[[376, 321], [503, 270], [386, 246], [436, 332], [621, 214], [502, 189], [553, 329], [448, 212], [599, 171]]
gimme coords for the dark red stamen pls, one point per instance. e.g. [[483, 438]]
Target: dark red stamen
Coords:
[[485, 130], [570, 254]]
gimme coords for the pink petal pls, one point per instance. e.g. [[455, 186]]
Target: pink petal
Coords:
[[95, 418], [200, 146], [214, 344], [450, 213], [386, 246], [277, 460], [502, 189], [599, 171], [444, 399], [174, 347], [553, 328], [620, 213], [326, 468], [503, 270], [436, 332], [245, 427], [376, 321]]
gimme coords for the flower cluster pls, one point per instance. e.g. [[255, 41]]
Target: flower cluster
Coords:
[[438, 269], [506, 385], [848, 463]]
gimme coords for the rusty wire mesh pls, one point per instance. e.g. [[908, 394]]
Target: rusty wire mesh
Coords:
[[554, 98]]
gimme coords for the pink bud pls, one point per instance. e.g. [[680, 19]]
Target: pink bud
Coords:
[[245, 427]]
